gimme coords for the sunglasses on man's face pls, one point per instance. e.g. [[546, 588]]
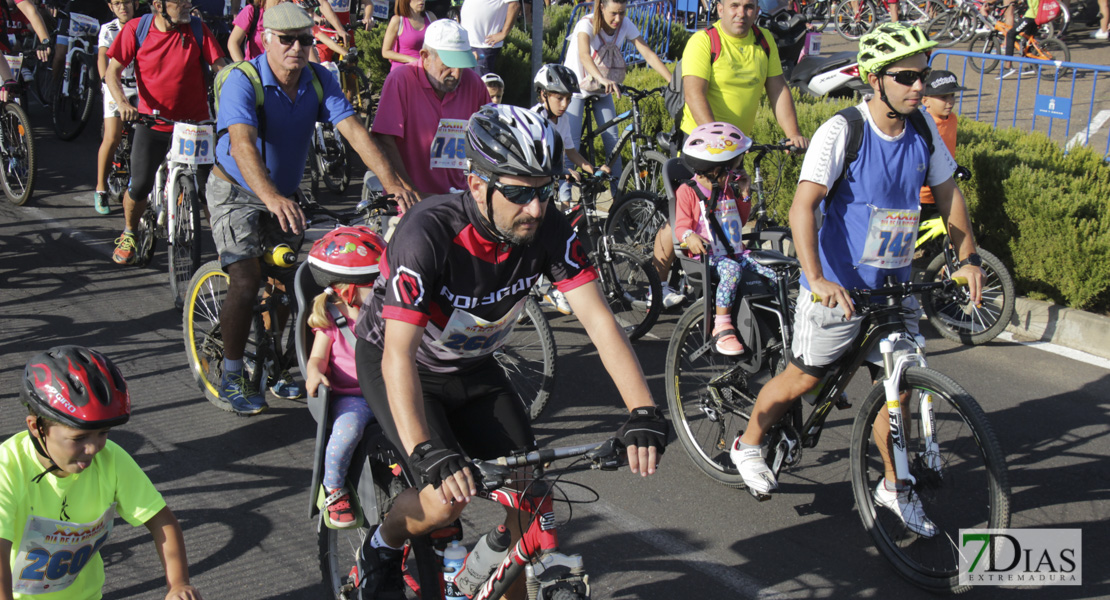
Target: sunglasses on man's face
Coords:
[[287, 40], [521, 195], [908, 78]]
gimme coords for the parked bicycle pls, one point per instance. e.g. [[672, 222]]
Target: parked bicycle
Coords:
[[954, 461], [549, 574], [855, 18], [174, 208], [643, 171], [73, 100], [1049, 49], [627, 279], [17, 145]]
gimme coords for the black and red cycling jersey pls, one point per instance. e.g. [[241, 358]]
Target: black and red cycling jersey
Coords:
[[443, 272]]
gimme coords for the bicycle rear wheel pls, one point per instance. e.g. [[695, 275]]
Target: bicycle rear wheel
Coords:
[[528, 358], [645, 176], [852, 24], [18, 154], [710, 400], [332, 162], [964, 486], [185, 243], [145, 238], [988, 43], [71, 110], [633, 221], [1051, 49], [631, 286], [955, 317]]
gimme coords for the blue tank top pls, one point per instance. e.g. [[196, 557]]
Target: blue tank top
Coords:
[[887, 174]]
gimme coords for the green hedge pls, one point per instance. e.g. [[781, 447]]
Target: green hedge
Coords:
[[1046, 214]]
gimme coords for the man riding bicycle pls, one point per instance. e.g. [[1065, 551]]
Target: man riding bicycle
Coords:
[[453, 281], [870, 199], [259, 165]]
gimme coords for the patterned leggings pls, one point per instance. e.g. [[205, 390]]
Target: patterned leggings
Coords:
[[350, 415], [729, 271]]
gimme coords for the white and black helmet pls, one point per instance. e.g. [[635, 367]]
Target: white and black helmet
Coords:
[[507, 140], [556, 78]]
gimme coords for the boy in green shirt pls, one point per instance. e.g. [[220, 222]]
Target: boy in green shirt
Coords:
[[62, 483]]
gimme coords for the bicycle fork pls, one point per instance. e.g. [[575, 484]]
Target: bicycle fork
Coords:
[[895, 363]]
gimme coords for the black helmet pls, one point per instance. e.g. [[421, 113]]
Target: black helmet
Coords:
[[508, 140], [556, 78], [76, 387]]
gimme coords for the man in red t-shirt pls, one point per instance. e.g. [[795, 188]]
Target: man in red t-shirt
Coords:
[[169, 67]]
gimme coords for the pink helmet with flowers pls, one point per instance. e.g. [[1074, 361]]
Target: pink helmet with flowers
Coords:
[[713, 145]]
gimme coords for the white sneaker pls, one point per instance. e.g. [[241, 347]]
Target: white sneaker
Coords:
[[907, 506], [558, 301], [1099, 34], [671, 298], [752, 467]]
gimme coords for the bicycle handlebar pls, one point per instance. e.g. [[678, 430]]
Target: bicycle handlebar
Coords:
[[637, 94], [606, 456], [901, 290]]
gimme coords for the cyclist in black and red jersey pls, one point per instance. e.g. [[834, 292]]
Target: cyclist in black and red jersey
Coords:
[[453, 280]]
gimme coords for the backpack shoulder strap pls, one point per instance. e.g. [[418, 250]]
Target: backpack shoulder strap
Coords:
[[918, 119], [143, 28], [761, 40], [255, 18], [197, 25], [714, 44], [250, 72], [851, 149]]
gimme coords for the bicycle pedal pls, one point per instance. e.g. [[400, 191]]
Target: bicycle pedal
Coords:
[[842, 403], [762, 497]]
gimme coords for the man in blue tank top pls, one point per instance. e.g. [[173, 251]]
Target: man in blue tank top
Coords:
[[869, 230]]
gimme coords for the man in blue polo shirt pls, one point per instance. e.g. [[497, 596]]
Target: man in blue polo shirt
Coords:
[[260, 160]]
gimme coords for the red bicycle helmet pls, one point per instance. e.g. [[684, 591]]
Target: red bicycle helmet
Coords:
[[346, 255], [76, 387], [713, 145]]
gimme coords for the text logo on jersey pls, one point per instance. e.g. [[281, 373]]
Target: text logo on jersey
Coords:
[[408, 286], [467, 302], [576, 255]]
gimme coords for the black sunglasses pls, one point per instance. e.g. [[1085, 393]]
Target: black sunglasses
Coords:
[[521, 195], [287, 40], [908, 78]]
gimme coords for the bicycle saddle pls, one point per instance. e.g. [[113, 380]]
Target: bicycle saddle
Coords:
[[772, 259]]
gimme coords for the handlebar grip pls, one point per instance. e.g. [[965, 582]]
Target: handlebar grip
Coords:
[[961, 281]]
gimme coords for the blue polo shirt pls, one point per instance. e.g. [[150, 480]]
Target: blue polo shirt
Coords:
[[289, 123]]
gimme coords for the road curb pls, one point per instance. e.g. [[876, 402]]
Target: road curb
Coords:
[[1076, 329]]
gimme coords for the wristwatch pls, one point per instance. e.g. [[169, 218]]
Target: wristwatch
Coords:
[[972, 259]]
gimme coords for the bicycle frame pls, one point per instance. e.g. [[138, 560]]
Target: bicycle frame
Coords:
[[931, 229], [78, 44], [632, 131]]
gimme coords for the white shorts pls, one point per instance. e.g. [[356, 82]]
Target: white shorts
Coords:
[[110, 108], [822, 334]]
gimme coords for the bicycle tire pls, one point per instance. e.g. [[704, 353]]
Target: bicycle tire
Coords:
[[706, 424], [968, 448], [145, 238], [633, 221], [953, 315], [647, 177], [631, 286], [339, 548], [333, 163], [1056, 50], [184, 244], [987, 43], [18, 155], [42, 87], [564, 594], [528, 358], [118, 178], [852, 26], [67, 110], [939, 29]]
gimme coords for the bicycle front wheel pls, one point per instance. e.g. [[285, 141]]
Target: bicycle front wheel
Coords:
[[185, 244], [955, 317], [631, 286], [333, 164], [852, 22], [633, 221], [18, 154], [961, 486], [528, 358], [989, 43], [69, 109], [1051, 49], [645, 175]]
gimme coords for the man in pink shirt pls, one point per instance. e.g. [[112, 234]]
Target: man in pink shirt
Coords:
[[421, 121]]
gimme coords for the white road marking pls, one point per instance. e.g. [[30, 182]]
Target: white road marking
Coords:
[[676, 549], [1084, 136], [1059, 350]]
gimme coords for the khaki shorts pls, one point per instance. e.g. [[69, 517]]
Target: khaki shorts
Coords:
[[242, 227], [822, 334]]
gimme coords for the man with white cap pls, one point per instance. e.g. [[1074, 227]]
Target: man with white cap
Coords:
[[260, 159], [421, 119]]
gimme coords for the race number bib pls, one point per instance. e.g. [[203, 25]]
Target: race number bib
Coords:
[[467, 336], [381, 9], [52, 553], [341, 6], [15, 63], [332, 68], [728, 216], [449, 145], [80, 24], [192, 144], [891, 235]]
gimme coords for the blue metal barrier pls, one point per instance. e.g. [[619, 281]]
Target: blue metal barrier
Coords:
[[652, 17], [1057, 93]]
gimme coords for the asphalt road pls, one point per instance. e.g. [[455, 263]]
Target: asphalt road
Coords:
[[239, 485]]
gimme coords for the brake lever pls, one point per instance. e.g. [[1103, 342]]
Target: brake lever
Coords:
[[609, 456]]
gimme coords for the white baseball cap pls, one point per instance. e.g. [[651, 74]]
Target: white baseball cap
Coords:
[[451, 42]]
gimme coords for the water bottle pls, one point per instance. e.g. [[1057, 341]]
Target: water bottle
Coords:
[[453, 557], [280, 256], [488, 553]]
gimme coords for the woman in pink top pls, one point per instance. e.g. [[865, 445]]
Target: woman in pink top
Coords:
[[248, 28], [405, 35]]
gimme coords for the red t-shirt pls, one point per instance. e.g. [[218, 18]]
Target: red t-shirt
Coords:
[[169, 70]]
